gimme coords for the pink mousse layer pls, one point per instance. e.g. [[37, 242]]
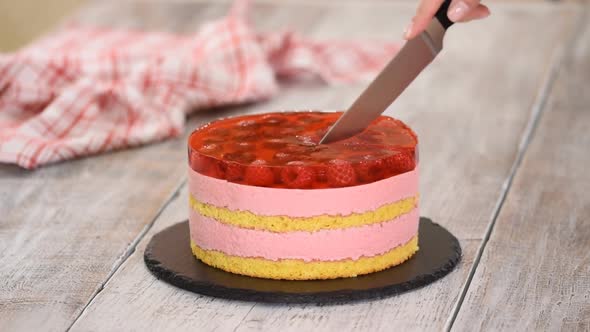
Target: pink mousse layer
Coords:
[[301, 202], [324, 245]]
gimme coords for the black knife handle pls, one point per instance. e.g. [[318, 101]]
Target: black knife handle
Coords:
[[441, 14]]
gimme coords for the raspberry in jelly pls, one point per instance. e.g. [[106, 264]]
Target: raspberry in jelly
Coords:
[[281, 150]]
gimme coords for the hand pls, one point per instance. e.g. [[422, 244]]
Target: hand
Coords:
[[459, 11]]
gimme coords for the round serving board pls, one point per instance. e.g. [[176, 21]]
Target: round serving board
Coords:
[[168, 256]]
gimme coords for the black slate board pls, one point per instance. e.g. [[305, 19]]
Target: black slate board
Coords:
[[168, 256]]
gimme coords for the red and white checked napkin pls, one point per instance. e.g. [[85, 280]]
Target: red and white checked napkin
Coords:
[[83, 91]]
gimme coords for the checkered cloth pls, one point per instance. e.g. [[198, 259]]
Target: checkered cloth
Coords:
[[83, 91]]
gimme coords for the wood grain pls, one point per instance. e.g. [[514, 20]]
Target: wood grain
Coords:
[[65, 228], [535, 271], [134, 292], [470, 110]]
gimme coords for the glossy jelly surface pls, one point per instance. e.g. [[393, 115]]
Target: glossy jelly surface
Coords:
[[281, 150]]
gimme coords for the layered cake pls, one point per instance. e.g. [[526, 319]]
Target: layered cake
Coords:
[[267, 201]]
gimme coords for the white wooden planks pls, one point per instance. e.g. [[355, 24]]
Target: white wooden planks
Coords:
[[535, 271]]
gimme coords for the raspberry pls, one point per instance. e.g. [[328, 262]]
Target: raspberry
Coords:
[[234, 172], [244, 146], [295, 149], [310, 119], [370, 137], [197, 161], [210, 148], [370, 170], [298, 176], [274, 143], [283, 157], [215, 168], [340, 173], [289, 156], [248, 124], [220, 132], [240, 157], [213, 140], [288, 131], [399, 163], [207, 165], [258, 174], [308, 144], [271, 133], [321, 173], [273, 120], [245, 136]]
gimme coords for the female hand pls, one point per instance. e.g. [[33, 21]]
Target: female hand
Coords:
[[459, 11]]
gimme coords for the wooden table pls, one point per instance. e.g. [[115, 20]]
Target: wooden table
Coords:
[[504, 128]]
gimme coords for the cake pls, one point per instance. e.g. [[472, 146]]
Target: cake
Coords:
[[266, 200]]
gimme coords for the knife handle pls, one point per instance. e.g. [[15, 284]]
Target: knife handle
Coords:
[[441, 14]]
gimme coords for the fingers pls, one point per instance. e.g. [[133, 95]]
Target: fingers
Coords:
[[459, 11], [424, 14], [466, 10], [476, 13]]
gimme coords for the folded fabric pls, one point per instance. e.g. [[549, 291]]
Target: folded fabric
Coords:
[[83, 91]]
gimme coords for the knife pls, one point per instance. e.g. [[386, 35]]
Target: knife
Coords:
[[414, 56]]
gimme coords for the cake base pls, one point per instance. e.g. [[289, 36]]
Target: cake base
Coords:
[[168, 256], [296, 269]]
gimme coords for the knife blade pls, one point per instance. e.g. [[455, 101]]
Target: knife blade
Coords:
[[406, 65]]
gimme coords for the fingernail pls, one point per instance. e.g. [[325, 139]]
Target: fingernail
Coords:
[[457, 11], [408, 30]]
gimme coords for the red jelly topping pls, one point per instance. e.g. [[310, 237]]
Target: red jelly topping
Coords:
[[280, 150]]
